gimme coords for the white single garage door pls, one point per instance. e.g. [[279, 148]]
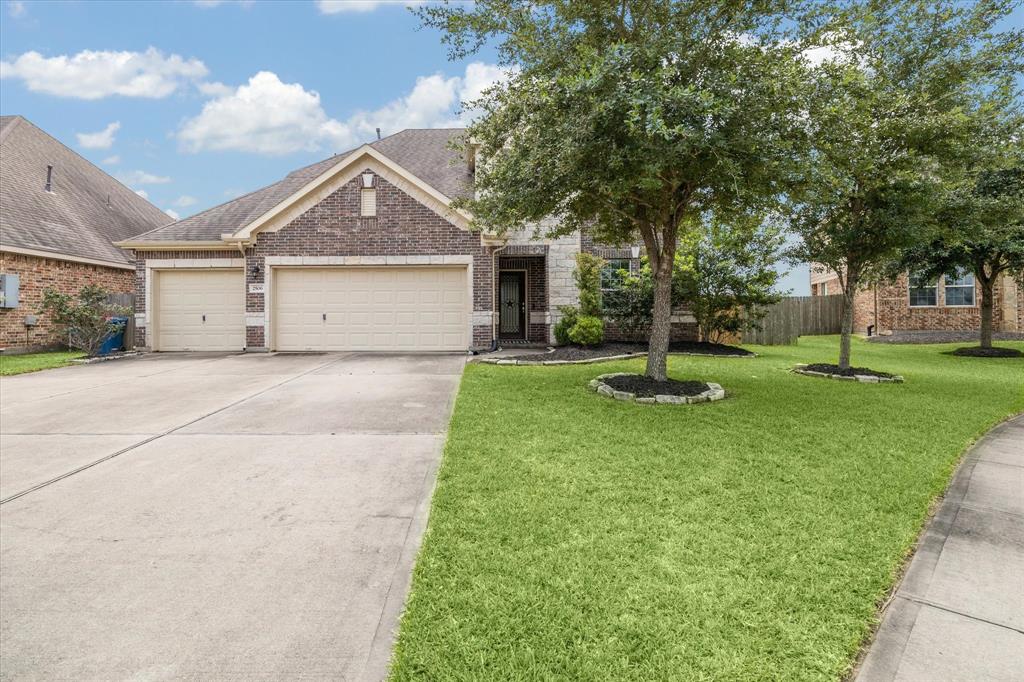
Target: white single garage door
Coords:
[[370, 308], [200, 310]]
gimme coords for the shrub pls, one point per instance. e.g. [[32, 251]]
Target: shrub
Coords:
[[86, 319], [587, 276], [632, 306], [588, 331], [569, 316]]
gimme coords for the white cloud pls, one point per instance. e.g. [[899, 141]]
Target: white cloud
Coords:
[[97, 74], [208, 4], [16, 8], [339, 6], [142, 193], [112, 160], [104, 139], [138, 177], [264, 116], [214, 89], [267, 116], [171, 212], [185, 201]]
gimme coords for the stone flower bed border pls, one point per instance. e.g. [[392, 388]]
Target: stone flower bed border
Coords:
[[107, 358], [714, 392], [592, 361], [862, 378]]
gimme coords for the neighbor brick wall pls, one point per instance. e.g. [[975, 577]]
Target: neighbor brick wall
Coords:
[[896, 314], [37, 274]]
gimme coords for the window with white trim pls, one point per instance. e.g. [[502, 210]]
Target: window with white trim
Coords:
[[958, 289], [923, 292], [613, 273]]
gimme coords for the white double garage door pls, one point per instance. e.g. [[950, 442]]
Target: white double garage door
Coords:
[[387, 308]]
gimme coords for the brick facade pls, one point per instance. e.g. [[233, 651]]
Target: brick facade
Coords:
[[334, 228], [887, 307], [37, 274]]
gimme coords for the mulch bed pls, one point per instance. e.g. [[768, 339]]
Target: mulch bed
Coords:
[[575, 353], [995, 352], [852, 371], [645, 387]]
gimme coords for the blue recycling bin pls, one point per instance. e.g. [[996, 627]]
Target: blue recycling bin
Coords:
[[115, 341]]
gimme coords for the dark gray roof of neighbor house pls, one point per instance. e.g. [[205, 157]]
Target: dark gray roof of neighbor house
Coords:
[[85, 211], [423, 152]]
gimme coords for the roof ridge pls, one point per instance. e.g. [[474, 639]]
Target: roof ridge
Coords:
[[16, 120]]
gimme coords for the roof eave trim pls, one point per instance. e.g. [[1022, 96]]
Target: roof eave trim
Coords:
[[175, 245], [38, 253], [247, 231]]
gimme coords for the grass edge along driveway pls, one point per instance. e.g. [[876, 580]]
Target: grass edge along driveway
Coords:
[[34, 362], [576, 537]]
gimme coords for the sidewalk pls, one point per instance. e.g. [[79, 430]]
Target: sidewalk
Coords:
[[959, 612]]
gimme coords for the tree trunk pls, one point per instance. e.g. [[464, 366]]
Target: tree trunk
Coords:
[[986, 311], [846, 330], [661, 322]]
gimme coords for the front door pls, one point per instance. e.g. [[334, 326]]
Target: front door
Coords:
[[512, 302]]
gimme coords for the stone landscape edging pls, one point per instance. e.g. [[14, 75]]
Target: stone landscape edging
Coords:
[[713, 393], [862, 378], [107, 358], [606, 358]]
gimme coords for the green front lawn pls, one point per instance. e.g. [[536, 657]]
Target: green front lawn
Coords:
[[33, 362], [575, 537]]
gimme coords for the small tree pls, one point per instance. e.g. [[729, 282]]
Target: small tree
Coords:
[[632, 306], [728, 273], [883, 113], [584, 325], [983, 233], [86, 318]]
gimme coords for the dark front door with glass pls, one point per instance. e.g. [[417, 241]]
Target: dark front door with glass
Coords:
[[512, 305]]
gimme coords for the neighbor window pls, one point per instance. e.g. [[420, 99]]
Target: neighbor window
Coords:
[[613, 273], [923, 292], [368, 203], [823, 289], [959, 289]]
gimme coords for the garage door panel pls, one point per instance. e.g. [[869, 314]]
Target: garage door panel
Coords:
[[184, 297], [381, 308]]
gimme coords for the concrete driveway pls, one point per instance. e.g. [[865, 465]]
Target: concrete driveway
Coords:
[[215, 516]]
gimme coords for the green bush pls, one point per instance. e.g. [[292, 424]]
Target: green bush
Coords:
[[588, 331], [587, 276], [569, 316], [86, 319]]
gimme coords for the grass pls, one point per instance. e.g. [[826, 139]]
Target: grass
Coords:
[[33, 362], [573, 537]]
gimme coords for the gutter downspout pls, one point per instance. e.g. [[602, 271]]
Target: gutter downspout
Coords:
[[494, 296], [245, 294]]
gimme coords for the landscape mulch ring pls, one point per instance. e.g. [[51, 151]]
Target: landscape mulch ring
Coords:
[[645, 387], [994, 352], [861, 374]]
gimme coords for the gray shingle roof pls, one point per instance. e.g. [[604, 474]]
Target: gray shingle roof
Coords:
[[423, 152], [74, 220]]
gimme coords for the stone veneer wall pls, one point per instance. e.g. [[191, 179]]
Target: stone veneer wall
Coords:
[[36, 274]]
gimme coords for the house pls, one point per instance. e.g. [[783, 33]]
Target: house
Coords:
[[59, 215], [948, 303], [361, 251]]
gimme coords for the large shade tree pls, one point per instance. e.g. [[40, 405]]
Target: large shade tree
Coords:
[[890, 102], [630, 119]]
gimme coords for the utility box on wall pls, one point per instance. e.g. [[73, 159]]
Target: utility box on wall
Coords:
[[8, 291]]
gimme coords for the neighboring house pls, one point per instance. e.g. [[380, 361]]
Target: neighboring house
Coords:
[[361, 251], [949, 303], [59, 215]]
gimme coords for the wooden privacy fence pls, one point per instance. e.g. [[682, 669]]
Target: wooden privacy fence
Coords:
[[796, 316], [127, 301]]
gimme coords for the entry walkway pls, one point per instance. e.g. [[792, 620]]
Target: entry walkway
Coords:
[[959, 612]]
